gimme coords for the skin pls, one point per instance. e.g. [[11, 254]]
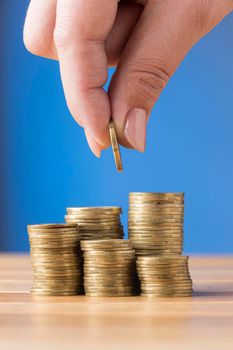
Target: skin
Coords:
[[146, 40]]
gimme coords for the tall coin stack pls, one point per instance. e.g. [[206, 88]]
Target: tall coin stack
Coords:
[[56, 259], [155, 222], [96, 222], [164, 276], [155, 225], [109, 268]]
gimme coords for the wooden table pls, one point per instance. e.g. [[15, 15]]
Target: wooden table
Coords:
[[204, 321]]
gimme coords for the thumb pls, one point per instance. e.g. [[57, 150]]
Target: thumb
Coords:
[[164, 34]]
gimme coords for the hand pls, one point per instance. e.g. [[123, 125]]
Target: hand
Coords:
[[146, 39]]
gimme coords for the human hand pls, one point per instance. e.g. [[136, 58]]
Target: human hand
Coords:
[[146, 39]]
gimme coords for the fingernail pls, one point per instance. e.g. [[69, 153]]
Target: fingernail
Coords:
[[94, 146], [135, 128], [93, 135]]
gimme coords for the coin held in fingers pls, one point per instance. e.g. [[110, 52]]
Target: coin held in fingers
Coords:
[[115, 146]]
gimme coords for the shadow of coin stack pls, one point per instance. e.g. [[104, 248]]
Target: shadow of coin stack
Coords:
[[56, 259], [155, 227], [96, 222], [109, 268]]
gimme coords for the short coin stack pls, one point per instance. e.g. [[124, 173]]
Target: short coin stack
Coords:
[[96, 222], [109, 268], [56, 259], [164, 276], [155, 222]]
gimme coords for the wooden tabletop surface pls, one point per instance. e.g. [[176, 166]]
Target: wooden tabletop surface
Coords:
[[204, 321]]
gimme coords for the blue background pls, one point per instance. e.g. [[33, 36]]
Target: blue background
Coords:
[[46, 164]]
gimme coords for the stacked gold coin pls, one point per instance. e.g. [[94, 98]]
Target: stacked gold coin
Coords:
[[56, 259], [109, 268], [155, 222], [164, 276], [96, 222]]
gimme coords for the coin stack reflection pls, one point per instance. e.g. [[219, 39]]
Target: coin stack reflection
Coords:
[[56, 259], [96, 222], [109, 268]]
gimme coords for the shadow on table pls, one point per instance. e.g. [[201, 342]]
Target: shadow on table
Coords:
[[212, 294]]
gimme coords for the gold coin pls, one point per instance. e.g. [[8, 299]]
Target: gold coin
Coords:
[[148, 214], [107, 244], [108, 294], [154, 231], [134, 209], [157, 194], [164, 271], [164, 259], [103, 275], [151, 252], [157, 271], [161, 225], [156, 234], [104, 268], [167, 292], [115, 146], [100, 237], [98, 210], [154, 241], [150, 205], [121, 262], [158, 248], [91, 221], [174, 295], [50, 226], [49, 293], [99, 249], [155, 238], [157, 276], [139, 204], [109, 288]]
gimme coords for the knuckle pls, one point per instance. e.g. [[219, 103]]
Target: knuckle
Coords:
[[210, 11], [150, 80], [204, 14]]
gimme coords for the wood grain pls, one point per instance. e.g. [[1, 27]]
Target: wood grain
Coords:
[[204, 321]]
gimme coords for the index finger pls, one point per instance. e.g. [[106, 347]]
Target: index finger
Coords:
[[80, 33]]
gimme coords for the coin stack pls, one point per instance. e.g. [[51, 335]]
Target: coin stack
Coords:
[[109, 268], [56, 259], [96, 222], [164, 276], [155, 222]]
